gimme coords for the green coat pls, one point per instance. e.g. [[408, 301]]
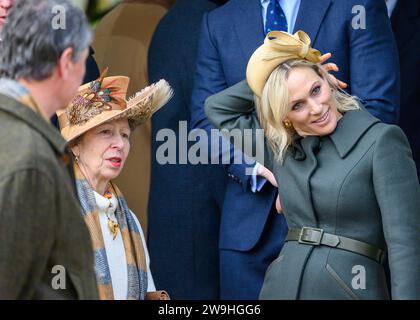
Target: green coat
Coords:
[[40, 221], [359, 182]]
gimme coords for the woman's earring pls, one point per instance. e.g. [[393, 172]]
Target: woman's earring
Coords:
[[287, 124], [76, 158]]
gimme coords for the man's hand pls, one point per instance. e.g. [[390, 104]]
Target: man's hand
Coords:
[[332, 67]]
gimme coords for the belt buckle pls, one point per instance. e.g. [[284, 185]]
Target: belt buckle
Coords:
[[305, 231]]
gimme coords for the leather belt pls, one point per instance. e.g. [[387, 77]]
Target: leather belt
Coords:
[[316, 237]]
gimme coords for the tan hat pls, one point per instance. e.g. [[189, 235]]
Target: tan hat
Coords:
[[104, 99], [278, 47]]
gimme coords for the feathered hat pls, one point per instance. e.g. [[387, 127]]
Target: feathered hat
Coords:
[[104, 99]]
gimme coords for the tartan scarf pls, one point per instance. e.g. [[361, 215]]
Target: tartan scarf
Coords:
[[17, 91], [134, 252]]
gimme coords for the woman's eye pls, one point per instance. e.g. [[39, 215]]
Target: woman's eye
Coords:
[[316, 90], [105, 131], [126, 136], [297, 106]]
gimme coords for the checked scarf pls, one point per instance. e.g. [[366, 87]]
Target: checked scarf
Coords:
[[134, 252]]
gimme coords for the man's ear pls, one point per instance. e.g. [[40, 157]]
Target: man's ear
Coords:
[[65, 63]]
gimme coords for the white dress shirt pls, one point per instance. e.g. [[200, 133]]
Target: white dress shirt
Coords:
[[390, 4]]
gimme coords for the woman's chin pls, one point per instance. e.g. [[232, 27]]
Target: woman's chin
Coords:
[[111, 173], [328, 128]]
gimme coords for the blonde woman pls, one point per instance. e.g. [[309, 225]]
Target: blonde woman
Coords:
[[347, 182]]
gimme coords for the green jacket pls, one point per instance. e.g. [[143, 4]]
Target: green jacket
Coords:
[[40, 222], [360, 182]]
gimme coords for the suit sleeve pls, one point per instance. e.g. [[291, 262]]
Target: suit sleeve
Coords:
[[374, 65], [397, 191], [28, 221], [210, 79], [233, 109]]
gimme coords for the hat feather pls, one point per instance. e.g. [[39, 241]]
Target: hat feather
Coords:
[[145, 103]]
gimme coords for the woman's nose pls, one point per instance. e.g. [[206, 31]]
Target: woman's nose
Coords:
[[118, 142], [316, 108]]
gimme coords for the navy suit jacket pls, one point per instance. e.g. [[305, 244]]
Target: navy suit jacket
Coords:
[[185, 200], [406, 25], [92, 71], [367, 60]]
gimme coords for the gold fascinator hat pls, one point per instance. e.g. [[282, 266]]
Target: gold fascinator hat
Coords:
[[278, 47], [104, 100]]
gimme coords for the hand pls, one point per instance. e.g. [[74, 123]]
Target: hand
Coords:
[[332, 67], [264, 172], [278, 205]]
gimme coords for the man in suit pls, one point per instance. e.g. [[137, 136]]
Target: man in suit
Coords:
[[405, 20], [185, 200], [251, 232]]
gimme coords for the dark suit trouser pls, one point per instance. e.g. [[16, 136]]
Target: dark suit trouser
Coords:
[[242, 272]]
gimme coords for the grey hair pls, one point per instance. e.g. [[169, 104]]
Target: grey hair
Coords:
[[31, 44]]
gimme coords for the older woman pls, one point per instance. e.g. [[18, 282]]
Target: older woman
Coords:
[[97, 124], [347, 182]]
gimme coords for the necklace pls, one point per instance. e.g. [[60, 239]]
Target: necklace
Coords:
[[112, 225]]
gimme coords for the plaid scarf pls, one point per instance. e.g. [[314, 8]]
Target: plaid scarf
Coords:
[[15, 90], [134, 252]]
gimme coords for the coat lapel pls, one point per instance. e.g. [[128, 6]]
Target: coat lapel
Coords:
[[350, 129], [311, 147], [402, 20], [296, 175], [310, 15], [249, 26]]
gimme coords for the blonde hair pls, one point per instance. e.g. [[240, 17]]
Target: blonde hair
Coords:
[[273, 105]]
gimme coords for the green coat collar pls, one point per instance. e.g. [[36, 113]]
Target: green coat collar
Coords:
[[350, 129], [25, 114]]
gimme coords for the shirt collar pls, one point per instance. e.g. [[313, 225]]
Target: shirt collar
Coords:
[[350, 129], [14, 89], [390, 4]]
